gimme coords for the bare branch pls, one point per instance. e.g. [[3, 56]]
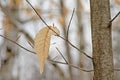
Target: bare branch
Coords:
[[27, 20], [18, 38], [30, 44], [55, 57], [71, 66], [17, 44], [115, 17], [109, 25], [70, 23], [62, 55], [37, 13], [80, 50]]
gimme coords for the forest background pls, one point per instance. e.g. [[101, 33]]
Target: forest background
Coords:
[[19, 24]]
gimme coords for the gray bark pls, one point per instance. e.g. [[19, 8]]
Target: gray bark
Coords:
[[101, 40]]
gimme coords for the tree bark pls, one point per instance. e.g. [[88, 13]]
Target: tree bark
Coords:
[[101, 40]]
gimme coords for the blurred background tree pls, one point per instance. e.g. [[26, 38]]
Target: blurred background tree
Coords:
[[19, 23]]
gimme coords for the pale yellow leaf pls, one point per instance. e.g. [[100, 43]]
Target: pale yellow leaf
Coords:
[[42, 44]]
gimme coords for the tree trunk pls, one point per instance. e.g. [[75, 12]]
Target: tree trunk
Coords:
[[101, 40]]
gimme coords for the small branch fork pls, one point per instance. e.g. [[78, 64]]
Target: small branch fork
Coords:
[[57, 33], [62, 55], [113, 19], [66, 63], [70, 65]]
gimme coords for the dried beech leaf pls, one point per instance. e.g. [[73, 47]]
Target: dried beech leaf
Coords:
[[42, 44]]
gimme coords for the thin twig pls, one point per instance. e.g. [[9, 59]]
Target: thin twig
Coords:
[[71, 66], [37, 13], [115, 17], [80, 50], [70, 23], [55, 57], [17, 44], [55, 31], [109, 25], [30, 44], [18, 38], [62, 55]]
